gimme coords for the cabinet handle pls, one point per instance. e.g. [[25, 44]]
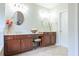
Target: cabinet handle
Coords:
[[9, 37]]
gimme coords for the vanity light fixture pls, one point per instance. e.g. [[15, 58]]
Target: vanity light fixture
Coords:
[[18, 7]]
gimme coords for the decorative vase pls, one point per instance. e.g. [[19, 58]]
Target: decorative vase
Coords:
[[9, 22]]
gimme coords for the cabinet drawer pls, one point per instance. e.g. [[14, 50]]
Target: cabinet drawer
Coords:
[[8, 37]]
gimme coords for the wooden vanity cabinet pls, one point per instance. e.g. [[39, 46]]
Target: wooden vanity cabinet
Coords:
[[26, 44], [48, 38], [45, 39], [52, 38], [11, 46], [15, 44]]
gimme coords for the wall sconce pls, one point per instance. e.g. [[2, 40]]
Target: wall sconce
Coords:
[[18, 7]]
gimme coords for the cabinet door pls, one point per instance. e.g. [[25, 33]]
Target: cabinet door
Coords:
[[12, 46], [53, 38], [26, 44], [45, 39]]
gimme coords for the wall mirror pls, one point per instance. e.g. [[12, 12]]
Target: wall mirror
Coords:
[[19, 17]]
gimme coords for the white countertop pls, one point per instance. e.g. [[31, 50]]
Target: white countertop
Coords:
[[21, 33]]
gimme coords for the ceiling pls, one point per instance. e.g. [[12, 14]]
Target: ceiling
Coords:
[[48, 5]]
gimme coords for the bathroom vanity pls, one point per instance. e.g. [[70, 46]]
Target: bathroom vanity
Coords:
[[14, 44]]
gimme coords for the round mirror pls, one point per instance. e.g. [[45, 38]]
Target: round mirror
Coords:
[[19, 17]]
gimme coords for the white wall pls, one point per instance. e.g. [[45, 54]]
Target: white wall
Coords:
[[29, 18], [32, 18], [2, 14], [72, 41], [61, 8], [78, 30], [73, 29]]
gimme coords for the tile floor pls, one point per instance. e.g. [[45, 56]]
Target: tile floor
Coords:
[[46, 51]]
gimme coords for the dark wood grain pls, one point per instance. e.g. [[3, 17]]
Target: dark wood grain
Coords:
[[14, 44], [48, 38]]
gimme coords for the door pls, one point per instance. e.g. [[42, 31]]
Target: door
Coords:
[[63, 28], [26, 44], [12, 46], [53, 38], [46, 39]]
